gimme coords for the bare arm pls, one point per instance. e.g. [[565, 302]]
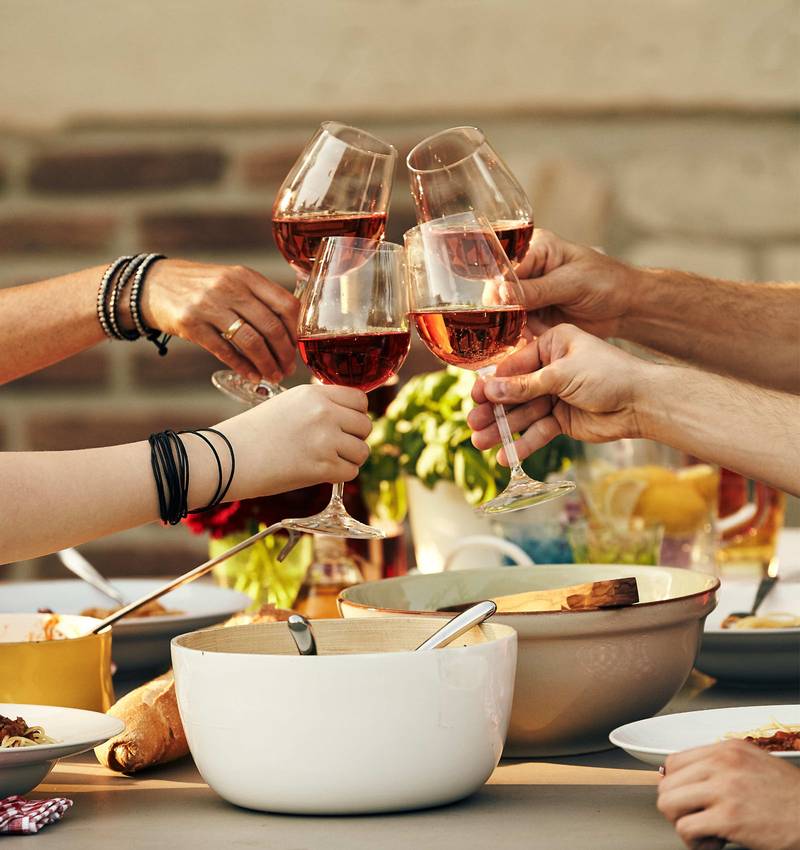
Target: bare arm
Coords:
[[748, 330], [42, 323], [568, 382], [49, 500]]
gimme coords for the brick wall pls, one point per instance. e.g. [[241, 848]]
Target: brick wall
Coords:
[[671, 140]]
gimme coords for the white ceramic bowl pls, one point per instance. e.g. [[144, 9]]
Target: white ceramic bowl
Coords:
[[140, 643], [74, 730], [376, 728], [748, 656], [652, 740], [580, 673]]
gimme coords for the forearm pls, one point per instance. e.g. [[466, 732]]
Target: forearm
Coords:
[[42, 323], [50, 500], [748, 330], [749, 429], [45, 322]]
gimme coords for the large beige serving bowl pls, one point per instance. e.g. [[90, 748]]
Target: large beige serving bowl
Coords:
[[579, 674]]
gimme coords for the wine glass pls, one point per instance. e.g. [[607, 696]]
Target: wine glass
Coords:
[[340, 185], [470, 312], [353, 331], [458, 171]]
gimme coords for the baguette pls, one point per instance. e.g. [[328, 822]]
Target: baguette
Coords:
[[153, 731]]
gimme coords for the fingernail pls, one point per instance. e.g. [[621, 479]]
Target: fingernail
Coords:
[[496, 388]]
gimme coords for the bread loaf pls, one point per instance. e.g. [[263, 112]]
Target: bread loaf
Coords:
[[153, 731]]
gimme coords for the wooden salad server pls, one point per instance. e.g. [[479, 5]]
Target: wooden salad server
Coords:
[[610, 593]]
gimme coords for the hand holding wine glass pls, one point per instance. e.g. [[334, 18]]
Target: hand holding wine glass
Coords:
[[469, 310], [353, 332]]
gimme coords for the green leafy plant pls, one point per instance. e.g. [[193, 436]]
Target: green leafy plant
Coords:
[[424, 434]]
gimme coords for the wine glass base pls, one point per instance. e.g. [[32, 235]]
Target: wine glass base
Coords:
[[334, 523], [233, 385], [523, 494]]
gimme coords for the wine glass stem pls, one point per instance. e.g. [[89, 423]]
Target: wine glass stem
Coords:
[[337, 494], [505, 431], [508, 441]]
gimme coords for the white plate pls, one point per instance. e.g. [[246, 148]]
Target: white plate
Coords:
[[654, 739], [75, 731], [138, 643], [752, 655]]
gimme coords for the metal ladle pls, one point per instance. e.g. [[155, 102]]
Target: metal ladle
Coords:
[[204, 568], [302, 635]]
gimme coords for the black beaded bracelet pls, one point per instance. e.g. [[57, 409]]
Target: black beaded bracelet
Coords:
[[156, 337], [102, 293], [113, 301]]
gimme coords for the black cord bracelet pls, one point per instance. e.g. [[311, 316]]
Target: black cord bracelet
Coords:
[[170, 464]]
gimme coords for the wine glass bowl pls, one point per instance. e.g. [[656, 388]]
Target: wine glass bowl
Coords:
[[469, 310], [353, 331], [340, 185], [457, 171]]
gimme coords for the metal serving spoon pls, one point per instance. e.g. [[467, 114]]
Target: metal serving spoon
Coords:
[[302, 635], [204, 568], [456, 627], [77, 564]]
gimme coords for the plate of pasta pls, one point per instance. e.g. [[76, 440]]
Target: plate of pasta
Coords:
[[773, 728], [760, 648], [34, 737]]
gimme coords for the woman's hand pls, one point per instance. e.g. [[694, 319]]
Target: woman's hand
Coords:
[[732, 791], [199, 302], [307, 435], [564, 382], [565, 282]]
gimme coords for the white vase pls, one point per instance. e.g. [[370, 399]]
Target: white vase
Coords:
[[440, 518]]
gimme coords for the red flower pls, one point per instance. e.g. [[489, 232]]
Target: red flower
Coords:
[[247, 514]]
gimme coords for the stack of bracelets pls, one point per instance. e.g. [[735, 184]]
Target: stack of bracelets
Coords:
[[171, 470], [168, 455], [116, 276]]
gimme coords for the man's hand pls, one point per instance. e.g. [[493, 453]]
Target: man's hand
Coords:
[[199, 302], [732, 791], [564, 282], [564, 382]]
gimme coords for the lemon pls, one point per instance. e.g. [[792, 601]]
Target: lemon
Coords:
[[704, 479], [620, 497], [676, 505]]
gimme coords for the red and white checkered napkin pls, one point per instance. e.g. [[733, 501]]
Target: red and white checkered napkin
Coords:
[[27, 817]]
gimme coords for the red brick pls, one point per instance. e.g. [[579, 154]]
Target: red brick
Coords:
[[93, 171], [270, 167], [80, 430], [213, 231], [88, 369], [184, 365], [31, 233]]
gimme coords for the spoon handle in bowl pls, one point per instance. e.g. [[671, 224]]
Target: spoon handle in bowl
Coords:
[[456, 627]]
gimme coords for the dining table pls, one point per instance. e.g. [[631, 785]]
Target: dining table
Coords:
[[595, 801], [598, 801]]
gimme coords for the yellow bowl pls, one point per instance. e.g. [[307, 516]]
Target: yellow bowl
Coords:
[[72, 670]]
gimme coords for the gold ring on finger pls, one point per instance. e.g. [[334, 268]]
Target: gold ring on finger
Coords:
[[232, 329]]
